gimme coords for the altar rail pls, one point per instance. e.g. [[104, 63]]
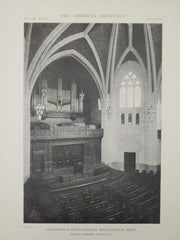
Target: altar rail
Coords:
[[67, 132]]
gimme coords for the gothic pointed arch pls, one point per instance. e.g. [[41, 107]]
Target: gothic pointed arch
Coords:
[[79, 58], [132, 52]]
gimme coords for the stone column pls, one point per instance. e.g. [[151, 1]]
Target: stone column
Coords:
[[44, 92], [59, 88], [26, 135], [33, 99], [59, 94], [73, 96], [80, 103]]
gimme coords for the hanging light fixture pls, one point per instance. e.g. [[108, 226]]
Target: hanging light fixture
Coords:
[[109, 112], [151, 113]]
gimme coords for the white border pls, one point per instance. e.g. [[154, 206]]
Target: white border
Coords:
[[13, 15]]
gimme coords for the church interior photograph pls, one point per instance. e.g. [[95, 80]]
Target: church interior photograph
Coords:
[[92, 122]]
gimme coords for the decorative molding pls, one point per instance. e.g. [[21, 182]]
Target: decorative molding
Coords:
[[136, 54], [89, 28], [108, 67], [68, 40], [54, 49], [52, 42], [73, 53], [152, 56], [126, 51], [148, 60], [63, 42], [109, 112], [151, 113], [44, 48], [113, 58], [159, 82], [88, 39], [130, 30], [27, 47]]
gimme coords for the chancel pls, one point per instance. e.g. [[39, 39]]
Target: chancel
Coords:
[[92, 122]]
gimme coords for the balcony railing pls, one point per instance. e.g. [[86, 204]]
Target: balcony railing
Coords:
[[67, 132]]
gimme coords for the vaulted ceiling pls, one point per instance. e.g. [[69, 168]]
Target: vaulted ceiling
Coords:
[[100, 48]]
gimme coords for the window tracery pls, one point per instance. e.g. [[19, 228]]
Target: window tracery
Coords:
[[130, 91]]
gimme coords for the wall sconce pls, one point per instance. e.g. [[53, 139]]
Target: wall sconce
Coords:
[[39, 110], [151, 113], [109, 112]]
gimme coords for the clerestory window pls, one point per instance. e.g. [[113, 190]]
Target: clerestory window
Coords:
[[130, 91]]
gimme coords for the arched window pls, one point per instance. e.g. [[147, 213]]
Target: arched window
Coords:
[[122, 118], [123, 97], [137, 118], [129, 118], [130, 91], [130, 95], [137, 96]]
